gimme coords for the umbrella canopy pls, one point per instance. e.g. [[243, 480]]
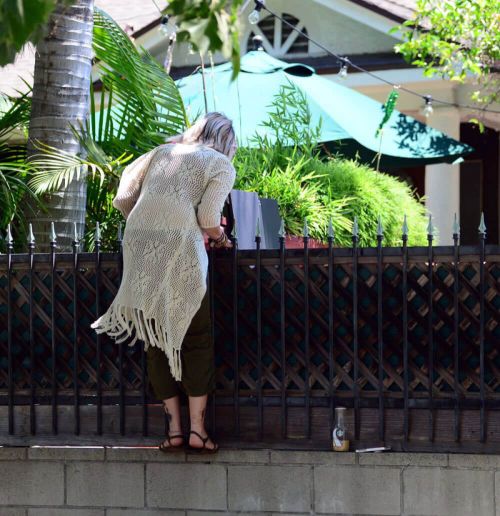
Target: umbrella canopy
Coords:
[[347, 115]]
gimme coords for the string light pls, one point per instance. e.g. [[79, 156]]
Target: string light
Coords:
[[254, 16], [343, 68], [164, 24], [428, 107], [169, 29]]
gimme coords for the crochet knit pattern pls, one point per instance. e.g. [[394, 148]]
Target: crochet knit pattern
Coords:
[[167, 196]]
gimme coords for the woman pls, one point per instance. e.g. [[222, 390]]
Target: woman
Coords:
[[170, 196]]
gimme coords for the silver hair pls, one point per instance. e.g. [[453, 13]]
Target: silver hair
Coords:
[[214, 130]]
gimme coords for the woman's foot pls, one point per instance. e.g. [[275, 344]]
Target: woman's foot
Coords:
[[173, 442], [200, 440]]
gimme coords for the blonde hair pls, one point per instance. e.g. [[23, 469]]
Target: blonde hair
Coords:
[[214, 130]]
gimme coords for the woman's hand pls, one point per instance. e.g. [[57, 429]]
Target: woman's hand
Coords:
[[218, 237]]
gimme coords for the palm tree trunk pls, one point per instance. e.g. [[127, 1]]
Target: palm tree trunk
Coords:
[[61, 92]]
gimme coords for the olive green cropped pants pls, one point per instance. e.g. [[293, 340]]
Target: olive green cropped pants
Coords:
[[197, 359]]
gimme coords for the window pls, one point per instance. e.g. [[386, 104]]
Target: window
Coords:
[[280, 39]]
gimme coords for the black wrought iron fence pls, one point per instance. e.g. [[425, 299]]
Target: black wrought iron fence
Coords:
[[407, 338]]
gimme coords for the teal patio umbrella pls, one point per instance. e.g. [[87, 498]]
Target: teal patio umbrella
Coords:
[[348, 117]]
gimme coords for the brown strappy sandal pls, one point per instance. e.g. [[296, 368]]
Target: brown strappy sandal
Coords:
[[203, 450], [172, 448]]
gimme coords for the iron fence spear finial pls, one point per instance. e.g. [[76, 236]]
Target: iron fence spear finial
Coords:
[[456, 226], [257, 227], [75, 233], [281, 232], [234, 232], [355, 227], [97, 233], [9, 238], [31, 236], [331, 233], [380, 227], [482, 225], [53, 235], [405, 227], [430, 229], [306, 228]]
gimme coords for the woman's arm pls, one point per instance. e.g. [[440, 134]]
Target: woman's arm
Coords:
[[131, 183], [212, 201]]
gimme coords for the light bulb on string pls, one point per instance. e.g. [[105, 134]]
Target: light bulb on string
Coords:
[[169, 29], [343, 69], [427, 109], [254, 16], [164, 25]]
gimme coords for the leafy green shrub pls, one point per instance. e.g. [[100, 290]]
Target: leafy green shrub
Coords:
[[295, 187], [372, 194], [289, 169]]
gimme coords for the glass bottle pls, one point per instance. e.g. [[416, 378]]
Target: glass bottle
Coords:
[[340, 442]]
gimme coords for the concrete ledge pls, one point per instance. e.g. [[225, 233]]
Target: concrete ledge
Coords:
[[232, 457], [403, 459], [142, 481], [13, 452], [66, 453], [304, 457], [474, 461], [142, 454]]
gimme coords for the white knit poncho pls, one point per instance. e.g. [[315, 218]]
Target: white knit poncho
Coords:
[[167, 196]]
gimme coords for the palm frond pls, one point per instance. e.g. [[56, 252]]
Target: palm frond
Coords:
[[143, 104], [54, 168], [17, 114], [14, 175]]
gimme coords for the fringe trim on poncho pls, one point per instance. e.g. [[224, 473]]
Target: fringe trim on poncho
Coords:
[[122, 322]]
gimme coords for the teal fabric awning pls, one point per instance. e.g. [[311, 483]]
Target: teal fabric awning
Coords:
[[349, 118]]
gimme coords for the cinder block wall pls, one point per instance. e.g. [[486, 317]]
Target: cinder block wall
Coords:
[[99, 481]]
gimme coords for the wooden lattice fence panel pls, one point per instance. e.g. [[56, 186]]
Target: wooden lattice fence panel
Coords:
[[313, 373]]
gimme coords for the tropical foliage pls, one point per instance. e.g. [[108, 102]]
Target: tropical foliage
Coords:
[[139, 106], [210, 26], [306, 184], [454, 40], [14, 170], [22, 21]]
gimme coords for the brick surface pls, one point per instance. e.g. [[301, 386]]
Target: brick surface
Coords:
[[12, 452], [233, 457], [474, 461], [312, 457], [65, 511], [32, 483], [357, 490], [105, 484], [447, 492], [403, 459], [145, 454], [186, 486], [269, 488], [66, 453]]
